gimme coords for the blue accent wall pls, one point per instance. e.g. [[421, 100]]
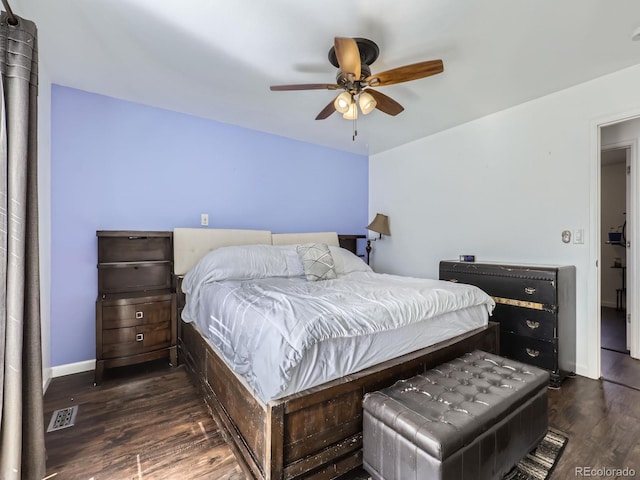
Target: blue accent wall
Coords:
[[118, 165]]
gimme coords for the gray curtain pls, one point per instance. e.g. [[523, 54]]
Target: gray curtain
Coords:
[[21, 418]]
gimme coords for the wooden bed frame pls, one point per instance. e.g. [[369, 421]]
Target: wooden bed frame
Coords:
[[316, 433]]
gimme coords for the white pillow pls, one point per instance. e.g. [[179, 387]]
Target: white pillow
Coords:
[[347, 262], [245, 262], [317, 261]]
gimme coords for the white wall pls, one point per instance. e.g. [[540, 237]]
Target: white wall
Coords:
[[503, 188], [44, 207]]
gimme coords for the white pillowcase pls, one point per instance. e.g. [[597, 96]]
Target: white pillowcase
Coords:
[[346, 262], [245, 262]]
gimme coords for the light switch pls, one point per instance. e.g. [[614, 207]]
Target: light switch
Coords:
[[578, 236], [204, 219]]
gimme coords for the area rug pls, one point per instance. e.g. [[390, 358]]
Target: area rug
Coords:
[[539, 464]]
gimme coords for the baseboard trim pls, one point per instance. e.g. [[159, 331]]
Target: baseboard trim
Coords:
[[71, 368], [46, 379]]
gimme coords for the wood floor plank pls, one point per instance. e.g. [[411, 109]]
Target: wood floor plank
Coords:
[[151, 423], [602, 420], [148, 425]]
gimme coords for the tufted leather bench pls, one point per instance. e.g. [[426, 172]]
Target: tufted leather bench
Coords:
[[472, 418]]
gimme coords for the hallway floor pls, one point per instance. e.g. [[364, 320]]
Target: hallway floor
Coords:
[[617, 365]]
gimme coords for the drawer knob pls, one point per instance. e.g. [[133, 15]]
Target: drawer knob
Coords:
[[529, 290], [139, 315], [533, 353], [532, 325], [139, 337]]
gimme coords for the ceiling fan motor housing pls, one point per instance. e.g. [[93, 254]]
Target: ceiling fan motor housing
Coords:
[[368, 49]]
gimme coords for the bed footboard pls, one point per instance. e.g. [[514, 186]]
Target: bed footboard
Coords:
[[316, 433]]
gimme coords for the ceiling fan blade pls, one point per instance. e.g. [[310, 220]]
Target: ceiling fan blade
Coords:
[[326, 111], [348, 56], [306, 86], [406, 73], [384, 103]]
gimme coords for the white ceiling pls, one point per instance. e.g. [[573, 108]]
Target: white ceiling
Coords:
[[217, 59]]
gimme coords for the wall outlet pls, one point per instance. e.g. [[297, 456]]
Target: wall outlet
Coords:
[[204, 219]]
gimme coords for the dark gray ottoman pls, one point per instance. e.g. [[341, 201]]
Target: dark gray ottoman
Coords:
[[472, 418]]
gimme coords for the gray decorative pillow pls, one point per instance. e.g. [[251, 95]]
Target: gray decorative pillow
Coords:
[[317, 261]]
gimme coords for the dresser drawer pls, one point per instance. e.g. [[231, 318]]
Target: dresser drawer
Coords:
[[134, 314], [527, 322], [524, 289], [529, 350], [119, 342]]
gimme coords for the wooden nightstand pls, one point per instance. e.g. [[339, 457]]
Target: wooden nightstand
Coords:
[[136, 305]]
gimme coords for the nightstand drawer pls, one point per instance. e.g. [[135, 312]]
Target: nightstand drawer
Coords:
[[130, 277], [118, 342], [130, 315], [133, 246], [526, 321], [529, 350]]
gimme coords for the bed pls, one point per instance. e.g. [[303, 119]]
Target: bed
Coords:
[[307, 425]]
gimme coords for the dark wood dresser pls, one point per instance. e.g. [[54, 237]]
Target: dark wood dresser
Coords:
[[136, 305], [536, 308]]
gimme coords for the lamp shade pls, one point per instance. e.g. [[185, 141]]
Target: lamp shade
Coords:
[[380, 225], [352, 112], [343, 102], [367, 102]]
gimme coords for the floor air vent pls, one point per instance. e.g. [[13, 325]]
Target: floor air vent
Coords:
[[63, 418]]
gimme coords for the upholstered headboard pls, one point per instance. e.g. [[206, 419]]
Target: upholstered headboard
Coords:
[[191, 244], [330, 238]]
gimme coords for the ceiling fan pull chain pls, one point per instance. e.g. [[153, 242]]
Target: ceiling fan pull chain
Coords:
[[355, 130]]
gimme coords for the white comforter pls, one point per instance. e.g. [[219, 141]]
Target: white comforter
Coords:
[[263, 327]]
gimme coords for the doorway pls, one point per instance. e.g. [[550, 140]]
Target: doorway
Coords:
[[618, 272]]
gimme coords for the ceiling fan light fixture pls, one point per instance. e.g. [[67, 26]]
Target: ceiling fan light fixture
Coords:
[[367, 103], [343, 102], [352, 112]]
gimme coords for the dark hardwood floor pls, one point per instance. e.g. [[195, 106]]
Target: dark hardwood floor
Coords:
[[617, 364], [150, 423], [139, 423], [613, 329]]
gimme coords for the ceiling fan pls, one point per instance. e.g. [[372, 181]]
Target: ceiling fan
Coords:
[[353, 57]]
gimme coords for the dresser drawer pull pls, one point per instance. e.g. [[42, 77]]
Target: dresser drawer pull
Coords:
[[533, 353], [532, 325], [139, 315], [139, 337], [529, 290]]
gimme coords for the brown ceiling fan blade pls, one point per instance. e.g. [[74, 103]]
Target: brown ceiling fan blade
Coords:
[[385, 103], [326, 111], [348, 56], [406, 73], [306, 86]]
